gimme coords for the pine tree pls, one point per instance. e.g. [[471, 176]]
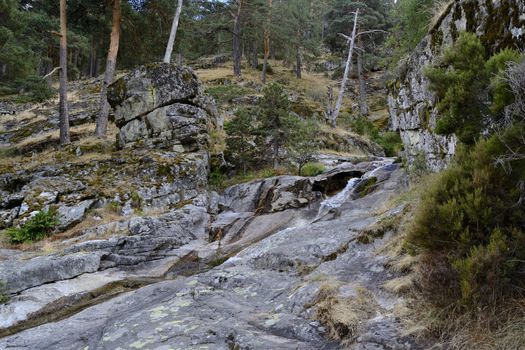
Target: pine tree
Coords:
[[241, 148]]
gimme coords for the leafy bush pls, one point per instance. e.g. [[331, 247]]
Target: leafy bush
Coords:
[[35, 229], [312, 169], [471, 228]]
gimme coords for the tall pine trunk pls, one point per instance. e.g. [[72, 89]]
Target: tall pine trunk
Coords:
[[63, 108], [236, 42], [363, 106], [93, 58], [266, 43], [299, 63], [265, 59], [109, 75], [173, 33]]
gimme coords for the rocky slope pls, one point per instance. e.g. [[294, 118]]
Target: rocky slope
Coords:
[[499, 24], [294, 278], [282, 263]]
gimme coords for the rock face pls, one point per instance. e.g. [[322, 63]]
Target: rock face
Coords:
[[162, 106], [271, 292], [498, 23]]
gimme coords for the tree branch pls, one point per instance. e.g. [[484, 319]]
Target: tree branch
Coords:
[[371, 32], [56, 69]]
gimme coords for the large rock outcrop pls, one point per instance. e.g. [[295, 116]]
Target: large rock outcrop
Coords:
[[162, 106], [164, 122], [498, 23]]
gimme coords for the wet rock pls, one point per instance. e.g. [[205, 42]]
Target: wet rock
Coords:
[[269, 195], [262, 298]]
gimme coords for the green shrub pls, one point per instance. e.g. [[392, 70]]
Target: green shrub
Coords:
[[471, 227], [216, 180], [269, 69], [362, 126], [312, 169], [496, 66], [224, 94], [418, 168], [466, 85], [391, 143], [35, 229], [35, 89]]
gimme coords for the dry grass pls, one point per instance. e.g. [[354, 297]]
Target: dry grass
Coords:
[[54, 136], [94, 148], [313, 86], [400, 285], [343, 317], [501, 329], [24, 116]]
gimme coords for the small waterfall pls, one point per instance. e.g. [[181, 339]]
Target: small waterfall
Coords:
[[337, 200], [341, 197]]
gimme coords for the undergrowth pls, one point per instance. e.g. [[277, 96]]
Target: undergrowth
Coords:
[[36, 228]]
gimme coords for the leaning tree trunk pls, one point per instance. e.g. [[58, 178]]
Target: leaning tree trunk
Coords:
[[363, 106], [348, 68], [236, 42], [109, 75], [63, 110], [173, 33]]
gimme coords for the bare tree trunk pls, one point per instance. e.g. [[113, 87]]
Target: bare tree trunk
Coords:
[[363, 106], [102, 120], [329, 105], [299, 63], [236, 42], [348, 68], [173, 33], [64, 117]]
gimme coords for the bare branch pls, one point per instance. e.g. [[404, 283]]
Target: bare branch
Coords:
[[371, 32], [56, 69]]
